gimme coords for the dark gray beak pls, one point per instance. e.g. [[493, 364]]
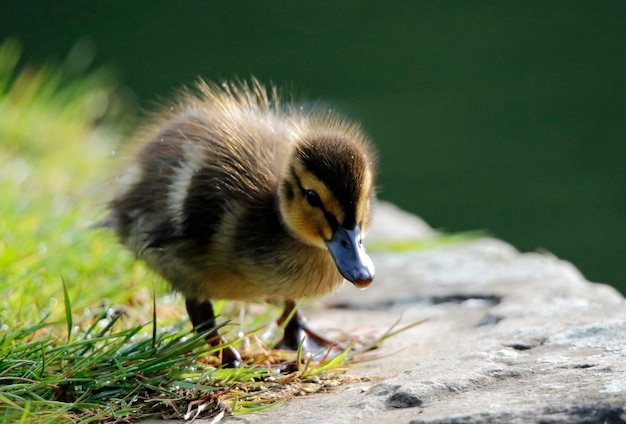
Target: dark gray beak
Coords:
[[346, 248]]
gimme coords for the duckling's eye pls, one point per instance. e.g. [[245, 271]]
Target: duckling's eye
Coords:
[[313, 198]]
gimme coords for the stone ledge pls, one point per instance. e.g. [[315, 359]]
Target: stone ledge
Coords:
[[510, 337]]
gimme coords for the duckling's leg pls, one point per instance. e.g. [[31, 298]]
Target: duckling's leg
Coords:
[[203, 318], [297, 329]]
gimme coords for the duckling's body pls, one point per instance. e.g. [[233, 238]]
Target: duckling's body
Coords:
[[231, 195]]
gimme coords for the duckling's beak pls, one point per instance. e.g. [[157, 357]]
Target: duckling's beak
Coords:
[[346, 248]]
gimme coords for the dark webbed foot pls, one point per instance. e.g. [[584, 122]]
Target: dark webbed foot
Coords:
[[297, 329], [203, 318]]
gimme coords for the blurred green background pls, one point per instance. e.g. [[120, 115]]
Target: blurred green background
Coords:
[[504, 116]]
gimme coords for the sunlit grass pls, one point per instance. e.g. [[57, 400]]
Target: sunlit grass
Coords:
[[56, 133]]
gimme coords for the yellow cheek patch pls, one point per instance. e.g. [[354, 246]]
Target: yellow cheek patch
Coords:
[[304, 227]]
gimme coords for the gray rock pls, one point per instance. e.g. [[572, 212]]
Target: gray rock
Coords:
[[510, 337]]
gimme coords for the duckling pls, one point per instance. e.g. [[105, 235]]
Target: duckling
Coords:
[[233, 194]]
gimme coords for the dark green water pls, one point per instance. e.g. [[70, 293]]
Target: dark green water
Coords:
[[505, 116]]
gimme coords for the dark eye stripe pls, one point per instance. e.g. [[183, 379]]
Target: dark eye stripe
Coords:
[[330, 218], [332, 221]]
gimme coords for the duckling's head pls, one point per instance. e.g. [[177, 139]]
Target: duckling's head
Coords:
[[325, 197]]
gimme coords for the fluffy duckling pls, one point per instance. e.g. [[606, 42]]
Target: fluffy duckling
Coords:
[[231, 194]]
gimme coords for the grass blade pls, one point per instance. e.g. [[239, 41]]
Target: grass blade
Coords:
[[154, 317], [68, 310]]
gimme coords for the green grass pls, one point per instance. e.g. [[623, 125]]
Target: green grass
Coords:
[[86, 333], [56, 133]]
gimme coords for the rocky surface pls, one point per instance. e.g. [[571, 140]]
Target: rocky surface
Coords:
[[510, 337]]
